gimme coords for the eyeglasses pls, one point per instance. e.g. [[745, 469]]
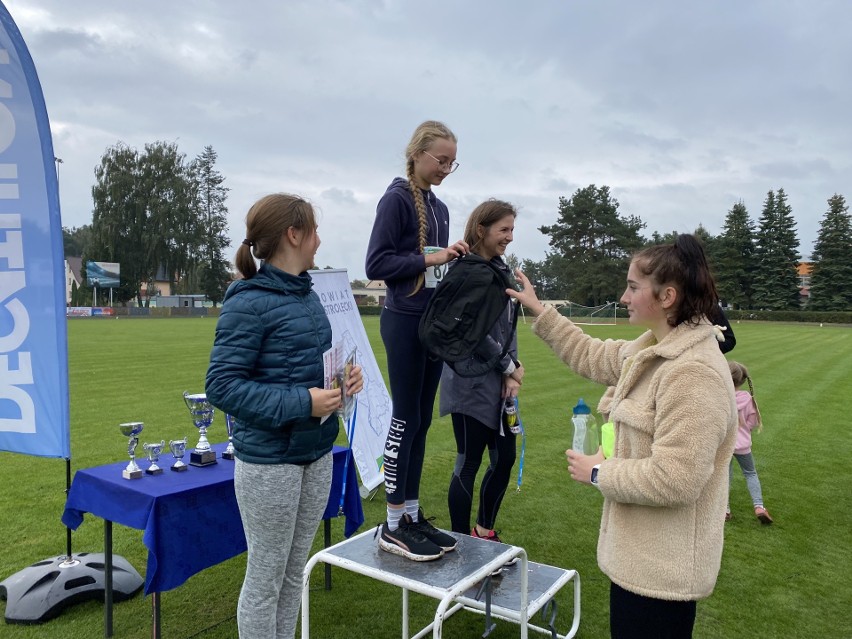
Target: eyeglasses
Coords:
[[448, 166]]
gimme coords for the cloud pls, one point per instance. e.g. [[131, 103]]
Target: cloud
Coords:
[[682, 109]]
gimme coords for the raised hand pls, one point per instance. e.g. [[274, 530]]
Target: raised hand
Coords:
[[527, 295]]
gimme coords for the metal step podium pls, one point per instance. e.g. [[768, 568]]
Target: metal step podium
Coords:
[[460, 580]]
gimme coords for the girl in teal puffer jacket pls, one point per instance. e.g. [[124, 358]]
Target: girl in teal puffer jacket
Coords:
[[266, 371]]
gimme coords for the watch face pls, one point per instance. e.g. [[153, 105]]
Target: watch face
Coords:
[[594, 476]]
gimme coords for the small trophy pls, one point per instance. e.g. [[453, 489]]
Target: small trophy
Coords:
[[178, 448], [229, 424], [154, 451], [131, 430], [202, 417]]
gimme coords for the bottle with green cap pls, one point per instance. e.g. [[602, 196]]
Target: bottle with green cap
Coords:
[[586, 437]]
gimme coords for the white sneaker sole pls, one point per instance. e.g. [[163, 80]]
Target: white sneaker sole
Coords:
[[402, 552]]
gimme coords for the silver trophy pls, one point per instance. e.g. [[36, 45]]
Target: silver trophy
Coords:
[[202, 417], [131, 430], [229, 425], [154, 451], [178, 448]]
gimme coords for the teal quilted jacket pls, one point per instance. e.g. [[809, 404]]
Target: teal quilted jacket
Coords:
[[267, 353]]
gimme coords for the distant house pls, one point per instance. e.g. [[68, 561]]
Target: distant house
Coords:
[[372, 293], [196, 300], [73, 266], [161, 286]]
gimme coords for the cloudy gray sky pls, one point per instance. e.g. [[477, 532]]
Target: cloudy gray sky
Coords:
[[682, 108]]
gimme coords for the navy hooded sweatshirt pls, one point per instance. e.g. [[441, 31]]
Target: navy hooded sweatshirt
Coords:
[[393, 252]]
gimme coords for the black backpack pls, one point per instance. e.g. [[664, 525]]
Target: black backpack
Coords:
[[462, 311]]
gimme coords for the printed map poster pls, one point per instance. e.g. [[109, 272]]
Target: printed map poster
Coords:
[[373, 413]]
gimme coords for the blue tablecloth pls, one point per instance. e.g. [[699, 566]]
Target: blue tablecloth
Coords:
[[190, 519]]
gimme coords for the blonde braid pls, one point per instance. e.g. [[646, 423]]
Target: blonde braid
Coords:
[[424, 135], [754, 401], [420, 207]]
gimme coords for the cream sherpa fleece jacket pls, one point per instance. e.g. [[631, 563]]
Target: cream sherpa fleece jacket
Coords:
[[666, 486]]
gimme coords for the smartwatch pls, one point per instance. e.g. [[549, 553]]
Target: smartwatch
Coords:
[[594, 477]]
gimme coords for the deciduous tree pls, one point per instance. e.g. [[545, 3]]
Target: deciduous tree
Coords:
[[75, 240]]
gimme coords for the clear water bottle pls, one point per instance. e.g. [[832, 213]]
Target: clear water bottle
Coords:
[[587, 436]]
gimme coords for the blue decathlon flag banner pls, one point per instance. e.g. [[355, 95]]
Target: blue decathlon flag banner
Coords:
[[33, 341]]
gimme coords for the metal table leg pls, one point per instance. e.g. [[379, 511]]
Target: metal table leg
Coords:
[[327, 540], [107, 578], [155, 615]]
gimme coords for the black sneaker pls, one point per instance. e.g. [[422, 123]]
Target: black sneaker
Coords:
[[438, 537], [408, 542]]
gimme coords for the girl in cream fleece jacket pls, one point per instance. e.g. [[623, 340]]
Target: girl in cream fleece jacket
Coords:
[[665, 487]]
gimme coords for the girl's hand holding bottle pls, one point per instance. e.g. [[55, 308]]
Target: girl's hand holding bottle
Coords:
[[580, 465], [518, 374]]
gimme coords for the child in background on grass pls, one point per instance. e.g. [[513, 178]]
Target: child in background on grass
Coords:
[[749, 418]]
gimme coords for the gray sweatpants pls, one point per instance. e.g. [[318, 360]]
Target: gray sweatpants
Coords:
[[281, 506]]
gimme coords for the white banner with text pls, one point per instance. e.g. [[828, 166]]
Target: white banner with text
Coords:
[[373, 412]]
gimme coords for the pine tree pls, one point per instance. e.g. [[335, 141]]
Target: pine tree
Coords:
[[736, 262], [591, 246], [831, 278], [776, 280]]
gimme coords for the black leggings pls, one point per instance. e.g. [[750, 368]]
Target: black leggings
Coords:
[[472, 438], [414, 382], [633, 616]]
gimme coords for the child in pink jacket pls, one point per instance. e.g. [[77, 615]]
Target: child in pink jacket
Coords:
[[749, 418]]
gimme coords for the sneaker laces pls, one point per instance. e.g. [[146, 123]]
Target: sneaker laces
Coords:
[[425, 522], [410, 528]]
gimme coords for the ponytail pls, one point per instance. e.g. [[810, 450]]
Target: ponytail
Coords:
[[682, 264]]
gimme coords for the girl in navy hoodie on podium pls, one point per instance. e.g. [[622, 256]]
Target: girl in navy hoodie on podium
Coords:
[[408, 250]]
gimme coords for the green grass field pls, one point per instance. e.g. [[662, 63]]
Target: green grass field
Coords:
[[792, 579]]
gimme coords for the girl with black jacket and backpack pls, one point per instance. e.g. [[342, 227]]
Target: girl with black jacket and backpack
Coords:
[[476, 403], [410, 235]]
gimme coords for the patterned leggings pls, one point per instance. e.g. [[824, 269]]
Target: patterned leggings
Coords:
[[281, 506]]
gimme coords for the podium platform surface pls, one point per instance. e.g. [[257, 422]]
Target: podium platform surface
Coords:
[[461, 579]]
